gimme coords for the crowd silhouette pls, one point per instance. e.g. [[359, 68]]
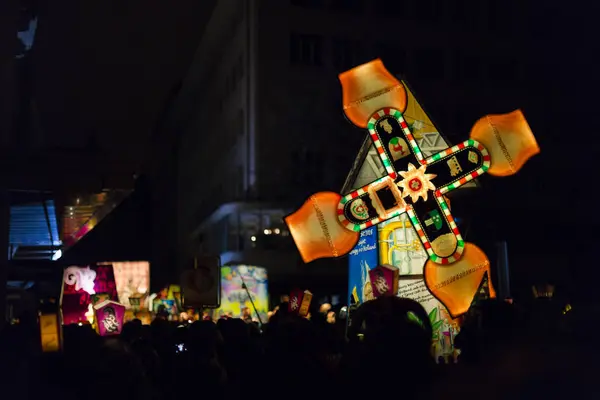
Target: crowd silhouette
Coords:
[[506, 353]]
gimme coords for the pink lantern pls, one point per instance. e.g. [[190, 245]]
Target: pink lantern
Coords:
[[80, 285], [110, 316], [384, 280]]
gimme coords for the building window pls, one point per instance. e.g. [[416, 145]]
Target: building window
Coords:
[[306, 49], [346, 54], [429, 64]]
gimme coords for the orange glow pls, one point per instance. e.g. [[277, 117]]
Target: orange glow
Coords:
[[509, 140], [89, 315], [456, 284], [369, 88], [316, 229]]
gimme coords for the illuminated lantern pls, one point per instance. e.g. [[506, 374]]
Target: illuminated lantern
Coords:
[[129, 315], [81, 278], [414, 184], [50, 333], [509, 140], [316, 230], [135, 302], [370, 87], [99, 298], [132, 279], [384, 280], [456, 285], [173, 292], [83, 286], [300, 302], [110, 317], [144, 316]]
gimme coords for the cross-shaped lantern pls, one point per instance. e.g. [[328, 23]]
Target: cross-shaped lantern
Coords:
[[328, 225]]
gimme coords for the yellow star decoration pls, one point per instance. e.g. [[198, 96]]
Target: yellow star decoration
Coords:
[[416, 182]]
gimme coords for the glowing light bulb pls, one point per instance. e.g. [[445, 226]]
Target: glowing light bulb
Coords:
[[277, 231], [253, 238], [89, 315], [57, 255], [80, 324]]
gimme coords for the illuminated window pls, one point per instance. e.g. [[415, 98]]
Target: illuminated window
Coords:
[[306, 49]]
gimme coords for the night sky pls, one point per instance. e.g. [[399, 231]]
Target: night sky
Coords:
[[107, 67]]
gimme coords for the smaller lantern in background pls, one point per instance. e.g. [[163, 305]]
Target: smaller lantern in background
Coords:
[[299, 302], [89, 315], [110, 316], [129, 316], [99, 298], [544, 291], [384, 280], [50, 332], [135, 302]]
